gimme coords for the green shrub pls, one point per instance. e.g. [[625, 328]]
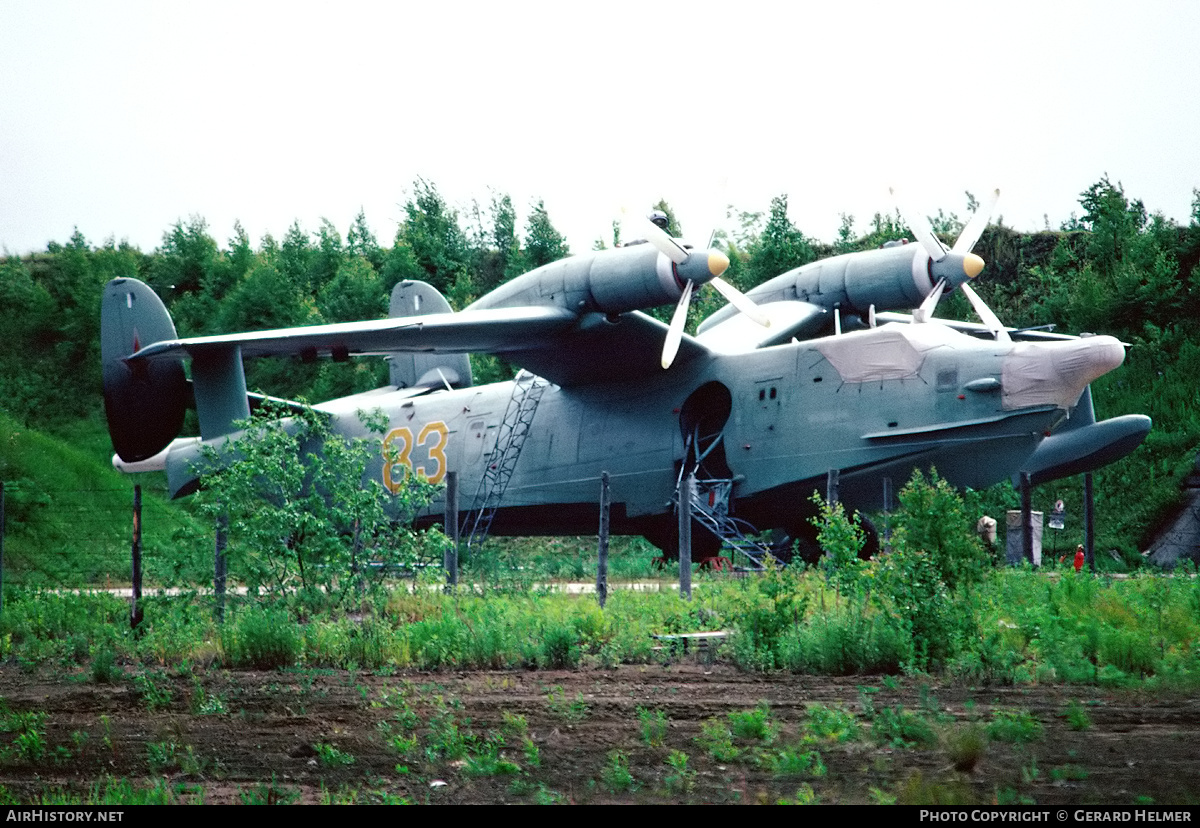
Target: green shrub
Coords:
[[965, 745], [653, 725], [616, 775], [753, 724], [717, 740], [932, 519], [1014, 726], [830, 724], [262, 639], [902, 728], [1077, 716]]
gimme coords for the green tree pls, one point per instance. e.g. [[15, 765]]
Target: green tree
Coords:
[[673, 227], [433, 236], [360, 241], [327, 257], [295, 257], [309, 527], [355, 293], [186, 259], [779, 247], [1112, 220], [263, 300], [29, 381], [400, 264], [543, 243]]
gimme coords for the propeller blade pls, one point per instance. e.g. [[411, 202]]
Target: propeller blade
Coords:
[[985, 313], [740, 301], [918, 225], [665, 244], [652, 233], [975, 227], [675, 332], [925, 312]]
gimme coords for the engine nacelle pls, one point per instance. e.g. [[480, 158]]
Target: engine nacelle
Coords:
[[608, 281], [891, 278]]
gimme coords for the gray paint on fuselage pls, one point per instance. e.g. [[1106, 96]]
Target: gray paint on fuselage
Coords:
[[782, 445]]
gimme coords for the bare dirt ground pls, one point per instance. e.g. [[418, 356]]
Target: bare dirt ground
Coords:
[[314, 735]]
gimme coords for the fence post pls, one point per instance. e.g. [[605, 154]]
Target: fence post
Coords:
[[1089, 528], [2, 547], [685, 535], [602, 545], [135, 554], [450, 557], [831, 487], [886, 540], [1026, 517], [219, 566]]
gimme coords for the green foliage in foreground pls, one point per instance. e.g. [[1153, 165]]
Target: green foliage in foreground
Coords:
[[930, 606], [1025, 627], [308, 526]]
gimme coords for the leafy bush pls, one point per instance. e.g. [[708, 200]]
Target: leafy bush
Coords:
[[653, 726], [753, 724], [831, 724], [902, 728], [307, 526], [933, 520]]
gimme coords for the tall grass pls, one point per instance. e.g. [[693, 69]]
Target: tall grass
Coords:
[[1028, 627]]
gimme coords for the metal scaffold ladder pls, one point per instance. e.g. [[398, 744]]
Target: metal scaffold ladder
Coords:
[[514, 428], [710, 508]]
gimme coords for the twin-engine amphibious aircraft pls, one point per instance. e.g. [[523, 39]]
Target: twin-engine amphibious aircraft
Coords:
[[806, 373]]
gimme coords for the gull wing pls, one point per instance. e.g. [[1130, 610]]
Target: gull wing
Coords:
[[500, 331], [564, 347]]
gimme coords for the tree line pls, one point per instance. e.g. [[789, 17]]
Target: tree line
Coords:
[[1114, 268]]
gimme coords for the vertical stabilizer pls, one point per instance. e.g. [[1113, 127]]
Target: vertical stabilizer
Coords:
[[413, 298], [143, 401]]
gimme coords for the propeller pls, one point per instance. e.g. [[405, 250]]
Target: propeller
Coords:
[[957, 266], [717, 262]]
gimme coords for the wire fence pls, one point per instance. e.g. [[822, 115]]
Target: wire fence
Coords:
[[60, 538]]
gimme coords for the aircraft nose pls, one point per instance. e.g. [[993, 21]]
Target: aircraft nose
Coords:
[[1090, 358], [1037, 373]]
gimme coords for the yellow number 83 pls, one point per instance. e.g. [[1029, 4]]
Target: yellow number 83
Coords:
[[398, 448]]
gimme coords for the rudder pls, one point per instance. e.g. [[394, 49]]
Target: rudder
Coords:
[[143, 402]]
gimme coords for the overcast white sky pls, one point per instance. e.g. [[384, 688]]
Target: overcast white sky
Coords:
[[123, 117]]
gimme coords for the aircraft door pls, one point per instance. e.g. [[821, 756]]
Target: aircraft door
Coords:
[[477, 439], [702, 422]]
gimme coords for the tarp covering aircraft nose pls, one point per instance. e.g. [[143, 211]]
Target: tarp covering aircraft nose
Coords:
[[1040, 373]]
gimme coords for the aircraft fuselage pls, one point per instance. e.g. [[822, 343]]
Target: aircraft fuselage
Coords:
[[872, 404]]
